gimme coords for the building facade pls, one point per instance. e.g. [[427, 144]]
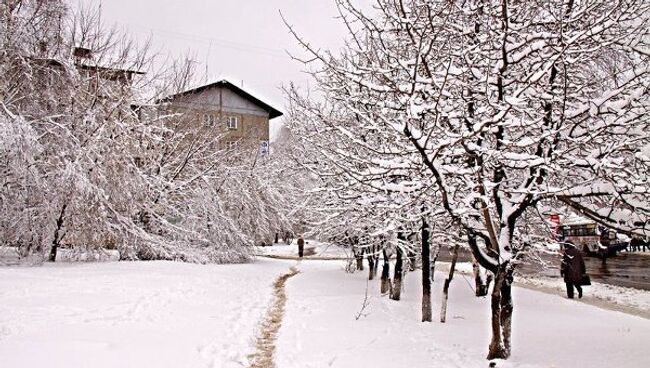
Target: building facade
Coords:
[[236, 116]]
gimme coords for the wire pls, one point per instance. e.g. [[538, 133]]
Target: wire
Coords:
[[210, 40]]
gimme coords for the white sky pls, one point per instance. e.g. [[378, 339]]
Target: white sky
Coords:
[[244, 41]]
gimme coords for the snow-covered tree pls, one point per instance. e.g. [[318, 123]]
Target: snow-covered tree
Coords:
[[492, 109], [91, 159]]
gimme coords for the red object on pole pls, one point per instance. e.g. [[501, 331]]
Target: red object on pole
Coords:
[[555, 223]]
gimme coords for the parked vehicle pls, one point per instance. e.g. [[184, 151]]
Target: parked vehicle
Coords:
[[592, 239]]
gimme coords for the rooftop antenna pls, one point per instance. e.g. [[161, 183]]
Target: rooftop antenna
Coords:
[[207, 60]]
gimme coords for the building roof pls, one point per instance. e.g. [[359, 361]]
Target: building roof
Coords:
[[273, 113], [105, 72]]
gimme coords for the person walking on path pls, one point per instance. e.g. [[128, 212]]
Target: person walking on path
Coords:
[[301, 246], [572, 269], [635, 243]]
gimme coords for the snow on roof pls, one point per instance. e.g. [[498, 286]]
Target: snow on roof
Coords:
[[576, 220], [273, 113]]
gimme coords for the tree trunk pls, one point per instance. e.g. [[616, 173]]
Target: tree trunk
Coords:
[[412, 259], [58, 236], [506, 313], [277, 238], [481, 284], [358, 255], [436, 252], [426, 273], [375, 261], [376, 265], [397, 276], [359, 262], [502, 308], [371, 266], [445, 289], [385, 275]]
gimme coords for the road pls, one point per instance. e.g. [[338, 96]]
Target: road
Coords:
[[628, 269]]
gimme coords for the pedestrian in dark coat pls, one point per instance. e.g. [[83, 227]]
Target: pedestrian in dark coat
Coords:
[[572, 269], [301, 246], [643, 243], [635, 244]]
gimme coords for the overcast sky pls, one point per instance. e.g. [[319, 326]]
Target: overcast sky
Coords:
[[244, 41]]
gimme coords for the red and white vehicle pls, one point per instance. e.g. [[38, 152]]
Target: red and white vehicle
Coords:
[[587, 236]]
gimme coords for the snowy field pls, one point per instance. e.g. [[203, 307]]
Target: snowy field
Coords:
[[132, 314], [165, 314]]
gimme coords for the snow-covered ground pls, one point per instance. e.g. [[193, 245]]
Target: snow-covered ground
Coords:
[[314, 249], [636, 300], [165, 314], [320, 329], [133, 314], [610, 296]]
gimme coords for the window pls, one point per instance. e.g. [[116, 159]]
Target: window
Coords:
[[231, 145], [264, 148], [232, 122], [208, 120]]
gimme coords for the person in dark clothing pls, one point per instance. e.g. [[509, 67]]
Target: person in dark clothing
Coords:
[[639, 243], [301, 246], [635, 244], [572, 269]]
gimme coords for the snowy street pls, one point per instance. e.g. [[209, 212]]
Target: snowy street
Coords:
[[167, 314]]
